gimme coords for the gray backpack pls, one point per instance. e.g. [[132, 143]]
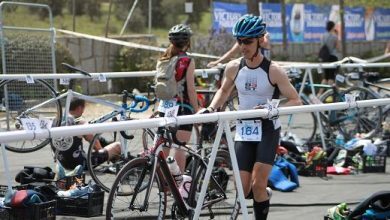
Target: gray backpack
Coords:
[[165, 82]]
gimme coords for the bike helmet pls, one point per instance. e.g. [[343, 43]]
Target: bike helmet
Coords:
[[249, 26], [180, 34]]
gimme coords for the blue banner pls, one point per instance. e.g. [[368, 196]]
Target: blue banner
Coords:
[[354, 23], [381, 20], [225, 15], [315, 22], [295, 22], [271, 13]]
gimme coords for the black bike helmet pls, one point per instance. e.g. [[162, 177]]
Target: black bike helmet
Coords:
[[179, 35]]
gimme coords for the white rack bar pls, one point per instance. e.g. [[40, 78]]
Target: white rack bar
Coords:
[[221, 117], [95, 76]]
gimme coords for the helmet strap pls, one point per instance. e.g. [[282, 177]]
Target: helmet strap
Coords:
[[257, 50]]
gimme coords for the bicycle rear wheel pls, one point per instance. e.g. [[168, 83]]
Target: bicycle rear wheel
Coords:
[[136, 172], [104, 173], [22, 97], [355, 120], [365, 120], [217, 204], [303, 124]]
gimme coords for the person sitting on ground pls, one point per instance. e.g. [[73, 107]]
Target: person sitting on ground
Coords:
[[75, 156]]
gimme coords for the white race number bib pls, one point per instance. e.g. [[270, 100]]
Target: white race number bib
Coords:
[[166, 104], [248, 130]]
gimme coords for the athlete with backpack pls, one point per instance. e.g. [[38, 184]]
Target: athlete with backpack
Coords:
[[175, 83], [329, 53]]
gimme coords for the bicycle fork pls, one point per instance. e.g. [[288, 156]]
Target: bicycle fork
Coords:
[[151, 164]]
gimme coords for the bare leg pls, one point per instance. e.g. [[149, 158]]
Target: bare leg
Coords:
[[180, 155]]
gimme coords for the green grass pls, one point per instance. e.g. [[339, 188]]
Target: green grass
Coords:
[[24, 18]]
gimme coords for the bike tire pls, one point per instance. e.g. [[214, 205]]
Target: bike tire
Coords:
[[355, 120], [118, 207], [21, 97], [303, 125], [365, 120], [217, 204], [328, 128], [104, 174]]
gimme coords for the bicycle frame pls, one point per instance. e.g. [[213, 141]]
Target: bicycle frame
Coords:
[[159, 166], [157, 157], [118, 110]]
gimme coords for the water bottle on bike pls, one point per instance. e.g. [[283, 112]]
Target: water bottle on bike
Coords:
[[175, 170], [185, 186]]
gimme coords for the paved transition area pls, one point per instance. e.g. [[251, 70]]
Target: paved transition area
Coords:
[[308, 202]]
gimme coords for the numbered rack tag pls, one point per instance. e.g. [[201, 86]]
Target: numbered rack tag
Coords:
[[205, 74], [274, 103], [45, 123], [29, 79], [102, 77], [248, 130], [64, 82], [351, 100], [35, 124], [340, 78]]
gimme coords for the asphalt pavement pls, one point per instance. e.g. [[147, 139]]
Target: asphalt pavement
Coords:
[[310, 201]]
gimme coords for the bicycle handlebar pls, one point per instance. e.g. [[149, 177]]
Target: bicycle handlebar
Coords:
[[170, 135], [72, 68], [139, 99], [174, 138]]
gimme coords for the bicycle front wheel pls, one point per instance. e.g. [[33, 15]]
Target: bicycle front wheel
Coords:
[[303, 124], [132, 182], [365, 120], [216, 203], [21, 100], [349, 122], [103, 172]]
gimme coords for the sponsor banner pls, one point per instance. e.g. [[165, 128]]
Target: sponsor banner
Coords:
[[225, 15], [295, 20], [315, 22], [354, 23], [380, 29], [271, 13]]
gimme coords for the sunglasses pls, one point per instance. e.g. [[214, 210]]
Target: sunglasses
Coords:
[[245, 41]]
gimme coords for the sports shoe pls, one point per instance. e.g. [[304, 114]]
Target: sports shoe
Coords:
[[269, 192], [339, 212]]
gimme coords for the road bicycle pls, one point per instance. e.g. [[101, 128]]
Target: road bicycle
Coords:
[[348, 122], [141, 188], [104, 173], [372, 82], [19, 98], [353, 120]]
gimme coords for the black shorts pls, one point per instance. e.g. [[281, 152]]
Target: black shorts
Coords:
[[330, 74], [249, 152], [183, 111]]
